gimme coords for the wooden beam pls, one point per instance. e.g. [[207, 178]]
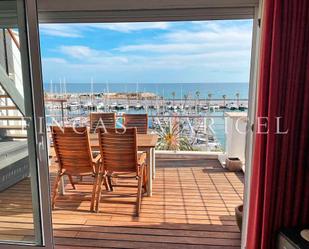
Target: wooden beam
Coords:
[[10, 107], [12, 127], [11, 118], [11, 33]]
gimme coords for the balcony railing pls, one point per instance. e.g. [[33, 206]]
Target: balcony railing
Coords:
[[176, 132], [191, 125]]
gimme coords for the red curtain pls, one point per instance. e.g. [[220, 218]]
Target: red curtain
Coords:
[[280, 177]]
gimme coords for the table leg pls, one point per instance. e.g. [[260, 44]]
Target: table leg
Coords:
[[149, 171], [153, 155], [61, 186]]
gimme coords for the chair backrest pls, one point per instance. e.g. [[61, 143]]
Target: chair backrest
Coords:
[[118, 149], [101, 120], [73, 150], [140, 121]]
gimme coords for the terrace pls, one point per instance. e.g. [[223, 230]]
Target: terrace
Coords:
[[192, 207]]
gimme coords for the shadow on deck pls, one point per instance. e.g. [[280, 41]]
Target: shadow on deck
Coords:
[[192, 207]]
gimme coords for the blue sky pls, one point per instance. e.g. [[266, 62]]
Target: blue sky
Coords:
[[156, 52]]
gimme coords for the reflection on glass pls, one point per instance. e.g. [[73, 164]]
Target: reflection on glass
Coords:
[[16, 177]]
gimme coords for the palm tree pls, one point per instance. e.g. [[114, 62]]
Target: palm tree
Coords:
[[185, 96], [237, 97], [170, 138], [197, 93], [224, 100], [209, 99], [173, 95]]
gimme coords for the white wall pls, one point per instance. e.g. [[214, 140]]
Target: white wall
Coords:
[[235, 144]]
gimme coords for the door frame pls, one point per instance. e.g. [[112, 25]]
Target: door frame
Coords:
[[173, 10], [40, 184], [252, 110], [78, 11]]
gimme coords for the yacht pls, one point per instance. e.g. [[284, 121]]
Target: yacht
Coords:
[[119, 107], [100, 105], [138, 106], [214, 107], [113, 105], [73, 106], [232, 106]]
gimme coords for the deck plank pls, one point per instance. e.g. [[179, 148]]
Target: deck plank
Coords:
[[192, 207]]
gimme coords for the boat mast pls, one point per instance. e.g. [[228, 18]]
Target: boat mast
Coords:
[[60, 87], [181, 95], [51, 87], [64, 88]]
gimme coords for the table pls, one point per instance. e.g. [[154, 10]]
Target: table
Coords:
[[145, 142]]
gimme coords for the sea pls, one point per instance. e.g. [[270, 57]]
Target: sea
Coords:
[[165, 90]]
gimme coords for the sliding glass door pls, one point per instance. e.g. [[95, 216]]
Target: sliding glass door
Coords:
[[25, 217]]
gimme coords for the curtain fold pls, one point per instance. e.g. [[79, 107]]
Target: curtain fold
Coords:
[[280, 177]]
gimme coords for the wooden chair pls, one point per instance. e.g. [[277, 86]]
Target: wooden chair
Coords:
[[119, 158], [140, 121], [101, 120], [75, 158]]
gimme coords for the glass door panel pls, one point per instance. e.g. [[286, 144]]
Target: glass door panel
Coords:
[[24, 195]]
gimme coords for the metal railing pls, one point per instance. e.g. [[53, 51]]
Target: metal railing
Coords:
[[179, 128], [175, 132]]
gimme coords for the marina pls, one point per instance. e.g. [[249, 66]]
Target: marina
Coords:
[[199, 123]]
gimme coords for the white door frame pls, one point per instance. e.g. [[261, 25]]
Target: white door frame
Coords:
[[38, 157], [78, 11], [252, 108]]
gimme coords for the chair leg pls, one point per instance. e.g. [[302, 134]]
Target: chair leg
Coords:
[[99, 192], [55, 189], [145, 180], [109, 179], [106, 184], [95, 185], [139, 194], [71, 181]]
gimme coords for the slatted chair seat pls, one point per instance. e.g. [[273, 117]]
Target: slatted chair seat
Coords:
[[118, 148], [139, 121]]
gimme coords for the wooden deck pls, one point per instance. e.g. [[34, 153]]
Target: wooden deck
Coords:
[[192, 207]]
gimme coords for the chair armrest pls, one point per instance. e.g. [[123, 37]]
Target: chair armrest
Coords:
[[97, 166], [141, 159], [96, 160]]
